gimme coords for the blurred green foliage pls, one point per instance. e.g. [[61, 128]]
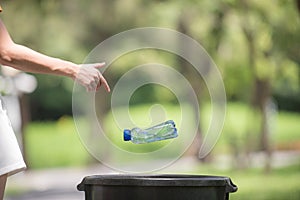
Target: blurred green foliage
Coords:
[[247, 39], [60, 146], [56, 144]]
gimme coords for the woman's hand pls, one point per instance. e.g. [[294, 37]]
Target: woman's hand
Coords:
[[91, 78]]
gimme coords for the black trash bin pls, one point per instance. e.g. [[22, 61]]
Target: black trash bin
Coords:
[[156, 187]]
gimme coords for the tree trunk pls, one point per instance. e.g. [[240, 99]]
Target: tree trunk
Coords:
[[298, 5], [261, 93], [188, 71], [261, 101]]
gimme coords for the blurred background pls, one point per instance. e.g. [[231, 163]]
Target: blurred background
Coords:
[[255, 44]]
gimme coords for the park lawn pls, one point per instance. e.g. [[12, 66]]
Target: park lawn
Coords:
[[284, 129], [287, 134], [56, 144], [275, 186], [279, 184]]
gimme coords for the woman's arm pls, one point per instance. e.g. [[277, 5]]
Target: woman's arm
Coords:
[[25, 59]]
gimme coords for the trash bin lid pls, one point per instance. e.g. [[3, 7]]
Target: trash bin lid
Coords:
[[158, 180]]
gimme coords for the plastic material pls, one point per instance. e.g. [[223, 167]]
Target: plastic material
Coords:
[[161, 131], [156, 187], [127, 135]]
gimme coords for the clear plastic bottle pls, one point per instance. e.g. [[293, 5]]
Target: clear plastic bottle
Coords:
[[161, 131]]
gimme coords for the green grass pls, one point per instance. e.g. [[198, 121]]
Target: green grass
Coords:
[[52, 144], [287, 128], [242, 127], [55, 144], [264, 187], [282, 183]]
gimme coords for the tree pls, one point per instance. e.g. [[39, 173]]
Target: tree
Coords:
[[261, 23]]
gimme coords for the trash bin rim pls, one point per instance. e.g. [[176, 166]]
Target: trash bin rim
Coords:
[[166, 180]]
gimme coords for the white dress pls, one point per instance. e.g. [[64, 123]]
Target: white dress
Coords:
[[11, 159]]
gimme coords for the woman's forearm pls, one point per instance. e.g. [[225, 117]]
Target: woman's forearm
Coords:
[[25, 59], [28, 60]]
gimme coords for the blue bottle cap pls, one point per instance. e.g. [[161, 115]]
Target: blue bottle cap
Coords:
[[172, 122], [127, 135], [175, 132]]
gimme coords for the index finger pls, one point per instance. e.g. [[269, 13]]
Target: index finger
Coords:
[[103, 81], [99, 65]]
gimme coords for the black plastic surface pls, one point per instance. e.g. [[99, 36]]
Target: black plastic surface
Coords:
[[156, 187]]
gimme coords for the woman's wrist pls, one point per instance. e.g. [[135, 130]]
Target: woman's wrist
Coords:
[[73, 70]]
